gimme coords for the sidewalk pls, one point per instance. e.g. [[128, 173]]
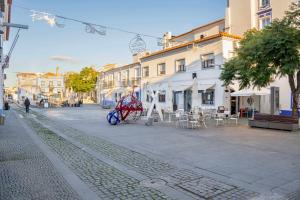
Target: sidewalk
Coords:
[[25, 171]]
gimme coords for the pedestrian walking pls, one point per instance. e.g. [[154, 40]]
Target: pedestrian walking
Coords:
[[27, 104]]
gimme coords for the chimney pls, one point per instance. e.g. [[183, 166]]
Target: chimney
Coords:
[[166, 39]]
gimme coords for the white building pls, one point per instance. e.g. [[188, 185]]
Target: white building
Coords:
[[198, 53], [40, 85], [247, 14], [27, 85], [116, 81]]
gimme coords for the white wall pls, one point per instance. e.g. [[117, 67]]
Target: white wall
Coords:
[[220, 47], [242, 14]]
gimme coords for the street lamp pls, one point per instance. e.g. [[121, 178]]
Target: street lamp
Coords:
[[5, 62]]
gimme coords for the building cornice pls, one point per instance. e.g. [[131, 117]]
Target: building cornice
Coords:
[[219, 35], [200, 27]]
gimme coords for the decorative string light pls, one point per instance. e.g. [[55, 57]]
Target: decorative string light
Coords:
[[136, 45], [89, 28], [47, 17]]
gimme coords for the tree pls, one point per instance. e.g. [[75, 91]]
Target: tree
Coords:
[[82, 82], [88, 79], [268, 54]]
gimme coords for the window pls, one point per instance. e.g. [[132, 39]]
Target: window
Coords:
[[50, 83], [264, 3], [59, 83], [208, 97], [162, 96], [149, 97], [125, 78], [161, 69], [137, 72], [208, 61], [265, 21], [127, 74], [180, 65], [146, 71], [119, 76], [43, 83]]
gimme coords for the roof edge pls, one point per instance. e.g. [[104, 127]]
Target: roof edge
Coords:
[[194, 29], [221, 34]]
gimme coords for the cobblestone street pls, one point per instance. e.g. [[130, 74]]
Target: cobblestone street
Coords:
[[25, 172], [107, 168]]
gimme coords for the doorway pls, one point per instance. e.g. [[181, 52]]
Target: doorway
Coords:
[[187, 96]]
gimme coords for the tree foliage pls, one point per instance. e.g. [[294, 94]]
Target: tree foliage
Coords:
[[85, 81], [268, 54]]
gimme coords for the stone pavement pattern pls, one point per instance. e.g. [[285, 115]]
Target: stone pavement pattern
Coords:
[[186, 181], [107, 182], [25, 172], [114, 171]]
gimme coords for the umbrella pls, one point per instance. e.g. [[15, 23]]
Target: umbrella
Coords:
[[251, 93], [195, 94], [169, 96]]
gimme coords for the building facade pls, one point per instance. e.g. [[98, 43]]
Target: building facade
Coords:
[[27, 85], [198, 55], [5, 12], [244, 15], [199, 58], [196, 58], [36, 86], [116, 81]]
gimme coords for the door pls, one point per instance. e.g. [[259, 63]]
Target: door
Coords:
[[177, 100], [187, 100]]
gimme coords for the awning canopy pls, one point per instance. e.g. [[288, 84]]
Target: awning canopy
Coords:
[[181, 87], [205, 86], [251, 92]]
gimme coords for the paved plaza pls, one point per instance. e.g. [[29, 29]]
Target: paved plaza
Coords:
[[73, 153]]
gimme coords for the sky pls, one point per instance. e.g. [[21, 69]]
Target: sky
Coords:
[[42, 48]]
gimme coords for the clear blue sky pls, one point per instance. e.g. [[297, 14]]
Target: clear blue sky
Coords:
[[37, 45]]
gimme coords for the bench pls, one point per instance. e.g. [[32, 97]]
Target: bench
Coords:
[[274, 122]]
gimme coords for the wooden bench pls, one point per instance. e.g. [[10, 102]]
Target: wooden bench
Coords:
[[274, 122]]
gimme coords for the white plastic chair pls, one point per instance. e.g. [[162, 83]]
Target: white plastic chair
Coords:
[[220, 118], [235, 117]]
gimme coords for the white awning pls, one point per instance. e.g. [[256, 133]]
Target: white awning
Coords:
[[205, 86], [251, 92], [181, 87]]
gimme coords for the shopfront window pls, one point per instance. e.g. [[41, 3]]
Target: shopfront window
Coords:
[[208, 97]]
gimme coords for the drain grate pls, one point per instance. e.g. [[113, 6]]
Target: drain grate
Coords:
[[205, 187]]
